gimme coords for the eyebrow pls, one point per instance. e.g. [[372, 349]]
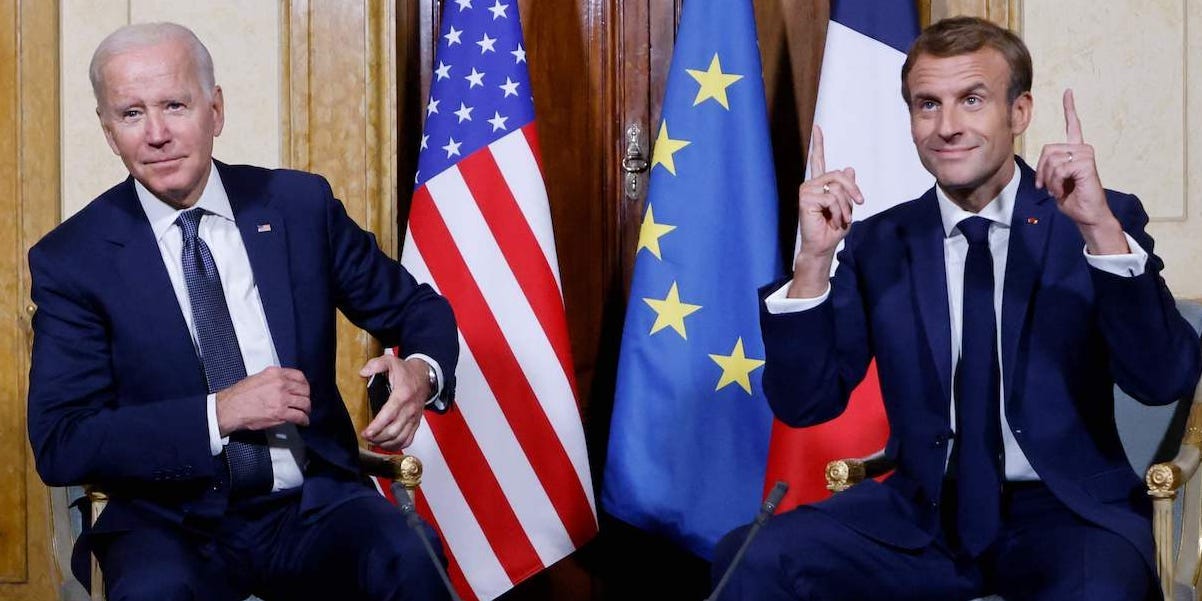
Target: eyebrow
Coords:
[[975, 88]]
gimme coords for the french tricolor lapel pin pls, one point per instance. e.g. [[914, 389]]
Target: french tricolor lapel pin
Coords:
[[263, 227]]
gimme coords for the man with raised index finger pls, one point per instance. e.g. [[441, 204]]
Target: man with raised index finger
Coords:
[[1001, 308]]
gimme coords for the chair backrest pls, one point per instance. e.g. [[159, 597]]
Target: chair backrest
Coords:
[[1153, 434]]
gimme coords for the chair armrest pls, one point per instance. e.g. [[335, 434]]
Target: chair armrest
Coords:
[[1164, 479], [842, 474], [405, 469]]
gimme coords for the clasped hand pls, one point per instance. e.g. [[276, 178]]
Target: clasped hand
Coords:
[[279, 395]]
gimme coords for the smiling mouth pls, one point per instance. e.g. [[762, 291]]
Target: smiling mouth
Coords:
[[164, 161], [952, 152]]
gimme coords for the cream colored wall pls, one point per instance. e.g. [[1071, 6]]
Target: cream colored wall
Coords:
[[244, 39], [1134, 69]]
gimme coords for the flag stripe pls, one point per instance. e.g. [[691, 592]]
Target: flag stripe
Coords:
[[443, 492], [555, 469], [454, 571], [521, 250], [531, 134], [513, 471], [519, 334], [487, 503], [518, 165]]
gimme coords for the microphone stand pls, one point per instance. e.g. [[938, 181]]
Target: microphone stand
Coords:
[[766, 510]]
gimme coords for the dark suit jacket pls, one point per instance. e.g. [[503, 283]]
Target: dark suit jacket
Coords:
[[1069, 333], [117, 392]]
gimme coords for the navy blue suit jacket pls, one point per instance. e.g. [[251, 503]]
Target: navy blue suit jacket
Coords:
[[117, 392], [1069, 333]]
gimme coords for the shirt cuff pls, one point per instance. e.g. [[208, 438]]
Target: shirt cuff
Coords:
[[779, 302], [437, 374], [1127, 265], [216, 441]]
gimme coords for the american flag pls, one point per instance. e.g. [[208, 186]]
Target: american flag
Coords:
[[507, 480]]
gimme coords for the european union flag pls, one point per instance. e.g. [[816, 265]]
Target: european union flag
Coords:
[[689, 437]]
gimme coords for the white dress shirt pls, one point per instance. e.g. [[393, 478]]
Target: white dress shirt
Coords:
[[220, 233], [955, 251]]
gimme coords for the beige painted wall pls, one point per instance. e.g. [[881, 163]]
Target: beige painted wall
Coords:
[[244, 39], [1135, 71]]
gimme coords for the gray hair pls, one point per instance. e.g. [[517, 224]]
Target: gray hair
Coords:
[[141, 35]]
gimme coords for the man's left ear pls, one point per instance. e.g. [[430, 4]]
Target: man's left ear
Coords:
[[1020, 113], [218, 106]]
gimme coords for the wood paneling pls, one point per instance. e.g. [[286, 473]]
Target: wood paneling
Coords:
[[1006, 13], [340, 121], [29, 203]]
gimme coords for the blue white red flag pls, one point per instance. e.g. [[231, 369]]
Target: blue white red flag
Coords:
[[865, 125]]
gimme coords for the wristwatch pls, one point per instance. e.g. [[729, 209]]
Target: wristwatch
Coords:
[[432, 380]]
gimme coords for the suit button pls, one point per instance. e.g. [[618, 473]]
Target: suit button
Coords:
[[1018, 432]]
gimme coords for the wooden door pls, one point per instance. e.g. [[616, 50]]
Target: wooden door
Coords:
[[29, 202]]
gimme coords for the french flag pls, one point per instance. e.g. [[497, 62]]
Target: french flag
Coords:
[[865, 125]]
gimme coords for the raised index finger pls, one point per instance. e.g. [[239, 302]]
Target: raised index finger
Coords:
[[1072, 125], [817, 160]]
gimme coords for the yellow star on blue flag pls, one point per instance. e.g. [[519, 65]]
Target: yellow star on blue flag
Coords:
[[689, 412]]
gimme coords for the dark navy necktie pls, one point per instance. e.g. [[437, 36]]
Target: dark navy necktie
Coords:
[[978, 450], [246, 453]]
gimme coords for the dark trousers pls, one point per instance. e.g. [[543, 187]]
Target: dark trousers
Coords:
[[1044, 552], [359, 549]]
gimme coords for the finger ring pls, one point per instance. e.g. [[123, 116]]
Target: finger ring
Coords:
[[1070, 156], [826, 188]]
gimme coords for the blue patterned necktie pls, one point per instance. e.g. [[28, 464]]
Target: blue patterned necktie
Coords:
[[246, 453], [978, 451]]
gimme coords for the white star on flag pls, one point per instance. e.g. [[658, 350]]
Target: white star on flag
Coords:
[[498, 10], [425, 141], [452, 147], [463, 4], [464, 113], [453, 36], [475, 79], [510, 87], [498, 122], [432, 107], [519, 55], [443, 71], [486, 44]]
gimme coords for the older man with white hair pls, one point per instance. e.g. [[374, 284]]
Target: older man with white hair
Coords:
[[184, 352]]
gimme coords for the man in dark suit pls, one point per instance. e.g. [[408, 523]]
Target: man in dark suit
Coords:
[[1001, 308], [184, 351]]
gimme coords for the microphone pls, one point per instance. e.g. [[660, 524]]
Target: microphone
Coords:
[[405, 503], [766, 510]]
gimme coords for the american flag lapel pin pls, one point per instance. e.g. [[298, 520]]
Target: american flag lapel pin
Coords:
[[1030, 221], [263, 227]]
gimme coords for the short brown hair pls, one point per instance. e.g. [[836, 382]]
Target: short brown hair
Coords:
[[957, 36]]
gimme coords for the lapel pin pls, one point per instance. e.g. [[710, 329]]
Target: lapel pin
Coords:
[[1030, 221], [264, 227]]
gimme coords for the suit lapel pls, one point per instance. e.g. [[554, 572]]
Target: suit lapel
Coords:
[[265, 237], [1029, 230], [924, 239], [139, 266]]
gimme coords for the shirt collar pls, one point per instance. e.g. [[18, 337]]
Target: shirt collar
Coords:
[[999, 210], [162, 215]]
